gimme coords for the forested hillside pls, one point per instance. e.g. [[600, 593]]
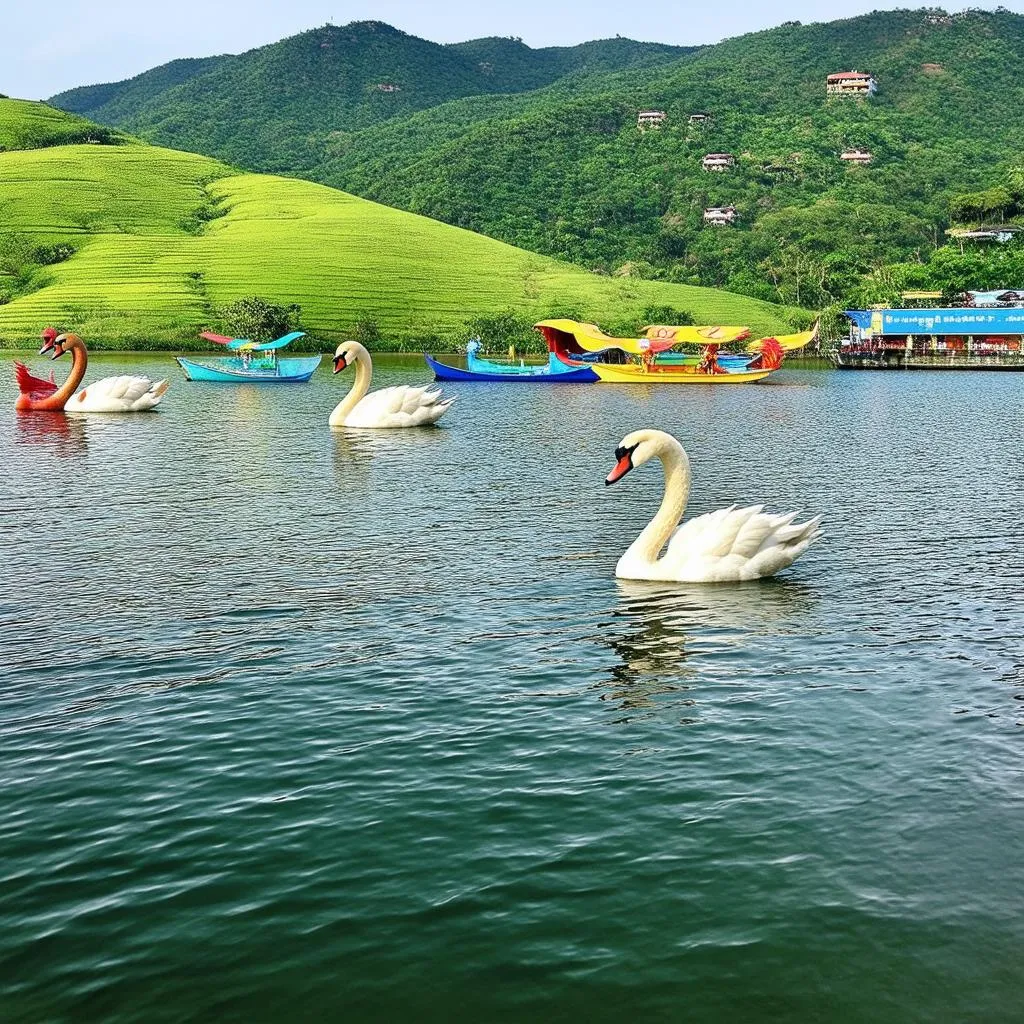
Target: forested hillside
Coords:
[[279, 107], [563, 169], [569, 174]]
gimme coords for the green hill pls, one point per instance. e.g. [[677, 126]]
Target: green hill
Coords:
[[136, 246], [563, 170], [280, 107]]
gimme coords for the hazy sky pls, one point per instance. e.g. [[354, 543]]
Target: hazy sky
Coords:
[[49, 46]]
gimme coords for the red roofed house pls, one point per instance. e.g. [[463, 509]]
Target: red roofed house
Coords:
[[718, 161], [851, 83]]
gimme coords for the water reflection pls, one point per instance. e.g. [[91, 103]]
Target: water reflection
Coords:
[[660, 632], [64, 436], [355, 450]]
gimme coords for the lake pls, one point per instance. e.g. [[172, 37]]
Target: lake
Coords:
[[360, 725]]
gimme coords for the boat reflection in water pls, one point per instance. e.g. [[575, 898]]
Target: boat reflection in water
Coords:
[[64, 436], [669, 638]]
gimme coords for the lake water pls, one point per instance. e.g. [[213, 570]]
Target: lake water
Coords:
[[360, 726]]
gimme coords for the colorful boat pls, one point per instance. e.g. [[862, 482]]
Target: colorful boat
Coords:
[[252, 362], [554, 371], [650, 359]]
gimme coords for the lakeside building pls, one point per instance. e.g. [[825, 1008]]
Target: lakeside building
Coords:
[[720, 216], [718, 162], [856, 156], [650, 119], [952, 338], [851, 83]]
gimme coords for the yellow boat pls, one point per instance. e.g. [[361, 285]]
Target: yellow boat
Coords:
[[636, 360], [641, 373]]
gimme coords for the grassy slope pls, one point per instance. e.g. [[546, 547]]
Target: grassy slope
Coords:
[[139, 277], [25, 124]]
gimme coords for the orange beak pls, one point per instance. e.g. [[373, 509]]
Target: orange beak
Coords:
[[623, 466]]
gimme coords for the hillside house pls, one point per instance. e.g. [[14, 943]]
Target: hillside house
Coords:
[[861, 157], [985, 233], [718, 162], [700, 118], [851, 83], [720, 216], [650, 119], [932, 69], [387, 87]]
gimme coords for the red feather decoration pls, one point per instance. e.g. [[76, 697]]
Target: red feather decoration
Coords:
[[35, 387]]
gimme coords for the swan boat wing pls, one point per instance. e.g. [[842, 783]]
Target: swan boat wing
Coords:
[[35, 387], [125, 393]]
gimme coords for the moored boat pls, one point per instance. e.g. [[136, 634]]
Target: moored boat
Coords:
[[253, 362], [978, 337], [640, 373], [652, 359], [554, 371]]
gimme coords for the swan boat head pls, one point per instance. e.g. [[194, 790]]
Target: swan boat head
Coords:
[[50, 338], [59, 344], [348, 353], [639, 447]]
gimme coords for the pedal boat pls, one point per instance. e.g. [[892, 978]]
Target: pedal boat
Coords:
[[253, 362], [555, 371]]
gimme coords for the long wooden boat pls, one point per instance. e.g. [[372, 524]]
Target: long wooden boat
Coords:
[[554, 371], [633, 373], [546, 374], [651, 359], [251, 361]]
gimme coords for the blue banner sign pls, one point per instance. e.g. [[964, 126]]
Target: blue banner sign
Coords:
[[939, 321]]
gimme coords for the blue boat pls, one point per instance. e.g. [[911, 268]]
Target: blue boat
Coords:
[[252, 362], [555, 371]]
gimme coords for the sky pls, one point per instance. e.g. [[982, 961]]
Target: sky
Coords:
[[55, 45]]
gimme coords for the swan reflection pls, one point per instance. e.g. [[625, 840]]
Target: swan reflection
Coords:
[[356, 450], [64, 436], [658, 630]]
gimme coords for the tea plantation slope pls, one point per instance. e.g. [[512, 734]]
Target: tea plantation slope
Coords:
[[164, 238], [26, 124]]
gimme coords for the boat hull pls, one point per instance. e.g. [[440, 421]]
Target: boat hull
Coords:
[[514, 374], [630, 373], [229, 370], [900, 361]]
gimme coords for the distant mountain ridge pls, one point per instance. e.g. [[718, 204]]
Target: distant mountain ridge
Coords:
[[269, 107]]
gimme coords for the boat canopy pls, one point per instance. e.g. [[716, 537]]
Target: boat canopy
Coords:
[[571, 337], [787, 342], [243, 344], [659, 334], [584, 337]]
